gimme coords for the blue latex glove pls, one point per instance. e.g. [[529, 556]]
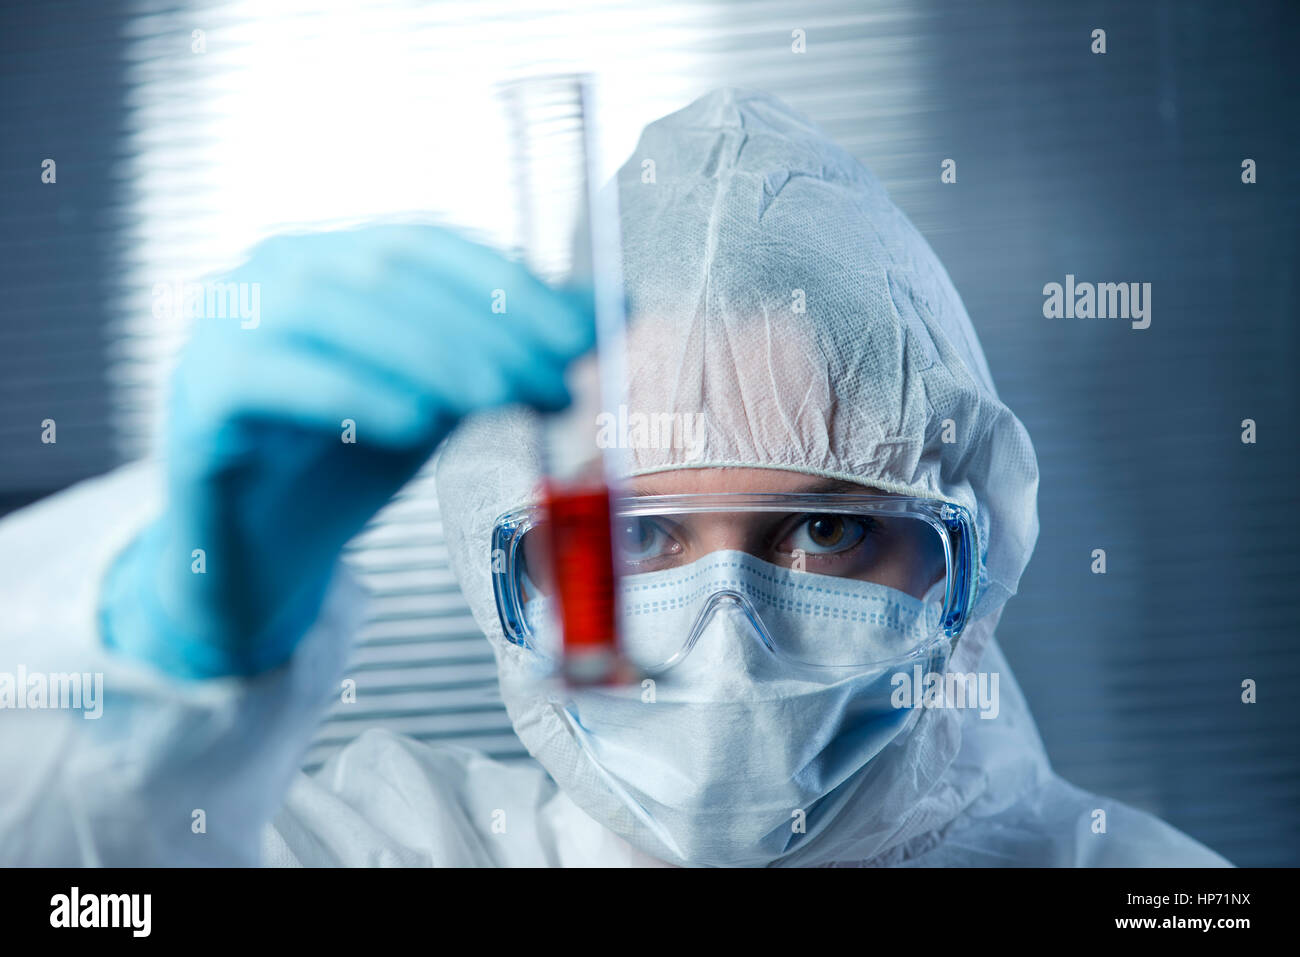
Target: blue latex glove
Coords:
[[391, 327]]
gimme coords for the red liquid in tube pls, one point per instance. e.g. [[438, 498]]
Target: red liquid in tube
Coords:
[[582, 557]]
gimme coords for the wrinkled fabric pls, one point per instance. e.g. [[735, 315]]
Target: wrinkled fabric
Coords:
[[661, 609], [744, 754], [748, 199], [168, 773], [777, 290], [175, 773]]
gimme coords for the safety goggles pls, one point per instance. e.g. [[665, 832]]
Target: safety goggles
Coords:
[[874, 565]]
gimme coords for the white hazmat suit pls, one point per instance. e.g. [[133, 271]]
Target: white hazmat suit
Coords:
[[780, 293]]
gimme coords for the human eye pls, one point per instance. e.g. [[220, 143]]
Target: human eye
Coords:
[[644, 544], [828, 535]]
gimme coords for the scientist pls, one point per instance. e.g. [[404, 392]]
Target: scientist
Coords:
[[861, 502]]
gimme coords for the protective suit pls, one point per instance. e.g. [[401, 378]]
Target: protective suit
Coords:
[[779, 292]]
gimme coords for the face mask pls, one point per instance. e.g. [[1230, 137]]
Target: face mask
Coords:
[[736, 755]]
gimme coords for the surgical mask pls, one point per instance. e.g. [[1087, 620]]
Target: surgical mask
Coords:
[[737, 753]]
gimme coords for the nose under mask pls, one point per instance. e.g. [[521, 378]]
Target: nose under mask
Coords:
[[803, 618], [738, 753]]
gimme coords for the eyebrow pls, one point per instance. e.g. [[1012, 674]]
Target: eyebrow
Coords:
[[837, 485]]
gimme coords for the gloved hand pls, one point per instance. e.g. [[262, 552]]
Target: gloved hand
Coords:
[[390, 327]]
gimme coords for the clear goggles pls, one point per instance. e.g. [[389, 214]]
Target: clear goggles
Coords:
[[825, 579]]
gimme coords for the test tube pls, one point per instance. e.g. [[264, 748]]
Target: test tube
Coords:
[[570, 233]]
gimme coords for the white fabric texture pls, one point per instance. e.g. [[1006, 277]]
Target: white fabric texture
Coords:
[[749, 203], [122, 789], [776, 289], [743, 753], [661, 607]]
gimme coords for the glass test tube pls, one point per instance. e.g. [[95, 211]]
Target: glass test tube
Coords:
[[570, 234]]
